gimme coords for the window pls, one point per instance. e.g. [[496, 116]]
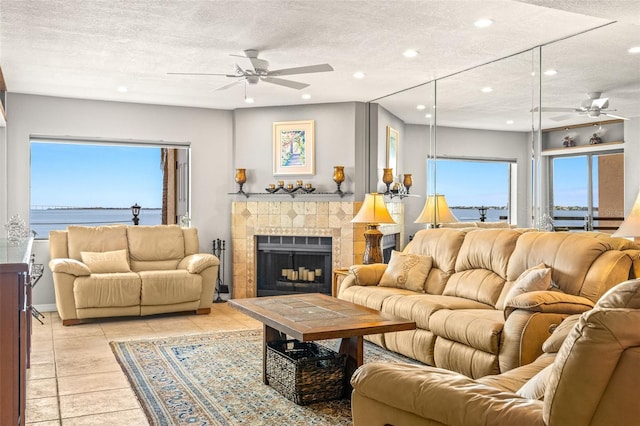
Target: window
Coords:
[[472, 184], [588, 191], [81, 183]]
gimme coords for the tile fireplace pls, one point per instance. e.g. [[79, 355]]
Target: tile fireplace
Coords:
[[323, 220]]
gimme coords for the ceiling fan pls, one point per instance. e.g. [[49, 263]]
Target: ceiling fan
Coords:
[[258, 70], [594, 106]]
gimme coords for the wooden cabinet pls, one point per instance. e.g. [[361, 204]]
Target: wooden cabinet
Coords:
[[15, 330]]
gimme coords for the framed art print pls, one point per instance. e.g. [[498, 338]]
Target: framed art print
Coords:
[[393, 142], [293, 148]]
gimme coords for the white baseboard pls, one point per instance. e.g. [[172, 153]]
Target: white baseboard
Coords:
[[46, 308]]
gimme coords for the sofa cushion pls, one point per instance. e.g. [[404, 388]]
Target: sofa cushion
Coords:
[[537, 385], [96, 239], [443, 246], [169, 287], [420, 308], [106, 261], [405, 270], [537, 278], [477, 328], [158, 247], [371, 296], [107, 290]]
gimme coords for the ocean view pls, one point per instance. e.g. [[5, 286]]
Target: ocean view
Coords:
[[45, 220]]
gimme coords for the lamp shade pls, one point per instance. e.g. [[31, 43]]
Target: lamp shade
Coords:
[[436, 211], [631, 225], [373, 210]]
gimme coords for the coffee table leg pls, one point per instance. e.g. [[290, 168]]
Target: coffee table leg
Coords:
[[353, 348], [269, 335]]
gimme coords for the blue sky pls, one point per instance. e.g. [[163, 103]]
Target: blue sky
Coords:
[[473, 183], [80, 175]]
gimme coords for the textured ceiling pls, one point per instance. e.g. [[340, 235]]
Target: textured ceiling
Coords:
[[87, 49]]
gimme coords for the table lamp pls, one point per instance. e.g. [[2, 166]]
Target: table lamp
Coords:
[[631, 225], [373, 212], [436, 211]]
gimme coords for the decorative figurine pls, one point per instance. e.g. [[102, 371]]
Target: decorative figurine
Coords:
[[595, 139], [568, 141]]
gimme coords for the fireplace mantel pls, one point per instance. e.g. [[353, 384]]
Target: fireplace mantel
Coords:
[[303, 218]]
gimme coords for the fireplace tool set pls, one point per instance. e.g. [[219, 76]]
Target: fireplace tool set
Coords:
[[218, 251]]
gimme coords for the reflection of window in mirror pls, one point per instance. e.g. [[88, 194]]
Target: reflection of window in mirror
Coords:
[[588, 191], [472, 184]]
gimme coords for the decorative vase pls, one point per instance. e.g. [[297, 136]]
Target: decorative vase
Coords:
[[338, 177], [407, 182], [241, 178], [387, 178]]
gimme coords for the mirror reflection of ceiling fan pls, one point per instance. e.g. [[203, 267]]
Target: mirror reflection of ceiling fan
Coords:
[[258, 70], [593, 107]]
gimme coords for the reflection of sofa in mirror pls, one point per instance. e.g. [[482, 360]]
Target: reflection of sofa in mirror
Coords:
[[587, 375], [122, 270], [483, 300]]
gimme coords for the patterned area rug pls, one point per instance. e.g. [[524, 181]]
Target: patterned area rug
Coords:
[[216, 379]]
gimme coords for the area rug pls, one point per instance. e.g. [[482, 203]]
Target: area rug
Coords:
[[216, 379]]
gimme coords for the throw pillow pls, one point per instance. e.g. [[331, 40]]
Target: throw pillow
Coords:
[[533, 279], [407, 271], [106, 262]]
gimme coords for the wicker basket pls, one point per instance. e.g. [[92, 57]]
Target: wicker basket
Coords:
[[305, 372]]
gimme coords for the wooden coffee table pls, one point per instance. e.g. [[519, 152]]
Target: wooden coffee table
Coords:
[[317, 316]]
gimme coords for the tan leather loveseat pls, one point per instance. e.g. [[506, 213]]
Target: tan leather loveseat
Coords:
[[122, 270], [588, 375], [464, 322]]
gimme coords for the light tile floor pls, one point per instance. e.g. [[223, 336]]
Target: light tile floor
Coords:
[[74, 378]]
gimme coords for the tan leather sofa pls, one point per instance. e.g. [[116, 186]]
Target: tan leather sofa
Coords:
[[464, 322], [132, 270], [588, 375]]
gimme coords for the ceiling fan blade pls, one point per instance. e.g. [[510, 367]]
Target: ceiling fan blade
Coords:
[[302, 70], [614, 116], [562, 117], [552, 109], [256, 63], [229, 85], [201, 73], [287, 83], [601, 103]]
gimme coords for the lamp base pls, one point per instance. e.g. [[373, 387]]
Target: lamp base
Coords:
[[372, 249]]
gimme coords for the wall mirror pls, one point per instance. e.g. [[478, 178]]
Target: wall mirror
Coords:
[[590, 104], [472, 146]]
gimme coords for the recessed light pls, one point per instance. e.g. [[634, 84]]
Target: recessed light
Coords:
[[427, 116], [421, 107], [249, 100], [486, 89], [306, 96], [483, 23], [122, 89], [509, 121], [358, 74], [410, 53], [550, 72], [635, 49]]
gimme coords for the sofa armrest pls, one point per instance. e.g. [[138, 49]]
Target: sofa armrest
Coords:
[[368, 274], [69, 266], [555, 302], [442, 396], [196, 263]]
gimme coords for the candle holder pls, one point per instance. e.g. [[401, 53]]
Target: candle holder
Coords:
[[408, 181], [387, 178], [338, 177], [241, 178]]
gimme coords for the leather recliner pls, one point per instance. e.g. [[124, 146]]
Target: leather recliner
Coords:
[[592, 380]]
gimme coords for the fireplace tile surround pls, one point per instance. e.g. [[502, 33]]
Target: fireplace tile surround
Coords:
[[298, 218]]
